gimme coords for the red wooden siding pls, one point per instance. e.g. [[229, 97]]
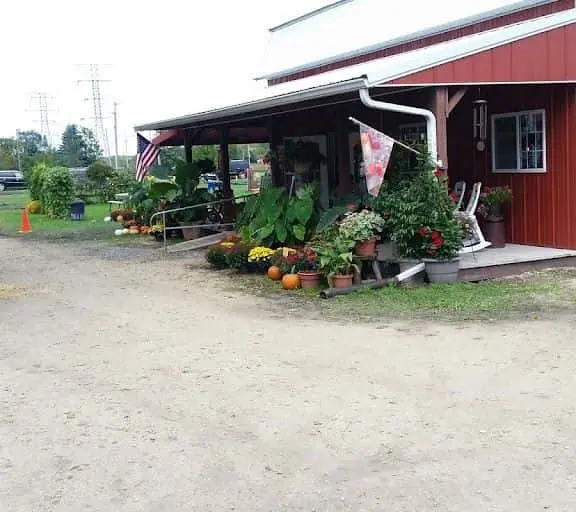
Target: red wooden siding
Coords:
[[543, 211], [502, 21], [540, 58]]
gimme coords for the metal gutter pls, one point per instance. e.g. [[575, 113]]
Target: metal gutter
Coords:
[[405, 109], [351, 85], [439, 29]]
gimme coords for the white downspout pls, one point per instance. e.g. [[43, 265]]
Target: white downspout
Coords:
[[405, 109]]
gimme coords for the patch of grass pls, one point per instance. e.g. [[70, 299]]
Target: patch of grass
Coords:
[[14, 199], [531, 294], [47, 227]]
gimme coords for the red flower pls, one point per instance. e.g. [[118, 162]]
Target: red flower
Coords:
[[454, 196], [438, 173], [435, 235], [422, 231], [439, 242]]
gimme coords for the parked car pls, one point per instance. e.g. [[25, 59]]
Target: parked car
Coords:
[[11, 179], [239, 168]]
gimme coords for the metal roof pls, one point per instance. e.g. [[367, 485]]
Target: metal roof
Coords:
[[373, 73], [351, 28]]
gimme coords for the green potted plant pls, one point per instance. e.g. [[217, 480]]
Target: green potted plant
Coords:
[[307, 267], [337, 261], [490, 210], [424, 226], [362, 227]]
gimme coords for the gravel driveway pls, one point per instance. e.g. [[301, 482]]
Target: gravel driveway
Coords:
[[142, 385]]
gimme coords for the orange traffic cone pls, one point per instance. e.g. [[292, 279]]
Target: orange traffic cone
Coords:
[[25, 226]]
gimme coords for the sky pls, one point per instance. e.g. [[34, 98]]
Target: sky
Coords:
[[162, 59]]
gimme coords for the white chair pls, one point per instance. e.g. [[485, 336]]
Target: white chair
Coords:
[[477, 242], [459, 191]]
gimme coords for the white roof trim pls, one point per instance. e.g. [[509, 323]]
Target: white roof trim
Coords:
[[373, 73], [313, 13], [522, 5]]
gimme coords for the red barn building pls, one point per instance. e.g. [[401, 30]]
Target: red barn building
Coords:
[[490, 88]]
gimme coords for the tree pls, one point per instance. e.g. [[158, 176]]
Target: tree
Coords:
[[79, 147], [8, 154], [31, 142], [99, 172]]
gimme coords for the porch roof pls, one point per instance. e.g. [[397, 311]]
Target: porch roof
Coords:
[[370, 74]]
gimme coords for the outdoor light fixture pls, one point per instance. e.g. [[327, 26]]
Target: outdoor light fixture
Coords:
[[480, 113]]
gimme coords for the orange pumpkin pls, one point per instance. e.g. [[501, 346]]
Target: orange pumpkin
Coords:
[[274, 273], [290, 282]]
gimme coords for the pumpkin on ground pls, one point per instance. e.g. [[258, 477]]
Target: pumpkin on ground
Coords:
[[290, 282], [274, 273]]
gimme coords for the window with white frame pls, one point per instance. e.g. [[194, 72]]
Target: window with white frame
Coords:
[[519, 142]]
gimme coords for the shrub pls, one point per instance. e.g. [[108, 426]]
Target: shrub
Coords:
[[35, 180], [34, 207], [237, 255], [216, 256], [99, 172], [57, 191], [422, 220]]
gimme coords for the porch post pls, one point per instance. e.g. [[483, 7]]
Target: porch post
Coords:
[[343, 160], [229, 207], [440, 103], [274, 142], [188, 146]]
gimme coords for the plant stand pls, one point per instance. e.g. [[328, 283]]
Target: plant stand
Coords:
[[363, 260]]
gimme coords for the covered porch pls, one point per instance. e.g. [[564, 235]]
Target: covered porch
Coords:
[[448, 96]]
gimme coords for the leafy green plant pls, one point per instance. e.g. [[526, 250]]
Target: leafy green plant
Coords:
[[237, 255], [57, 191], [418, 210], [35, 180], [216, 256], [271, 219], [336, 257], [361, 226], [99, 172]]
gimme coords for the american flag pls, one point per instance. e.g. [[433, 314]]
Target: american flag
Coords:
[[146, 157]]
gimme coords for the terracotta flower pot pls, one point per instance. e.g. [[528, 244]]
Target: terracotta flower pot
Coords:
[[342, 281], [365, 248], [309, 279]]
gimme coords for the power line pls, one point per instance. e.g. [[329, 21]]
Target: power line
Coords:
[[40, 100], [96, 98]]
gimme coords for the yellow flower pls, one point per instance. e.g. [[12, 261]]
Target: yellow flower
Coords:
[[226, 245], [259, 254]]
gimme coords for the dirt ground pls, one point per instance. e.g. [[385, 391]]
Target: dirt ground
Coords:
[[134, 384]]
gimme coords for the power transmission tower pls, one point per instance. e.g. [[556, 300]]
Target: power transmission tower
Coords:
[[40, 100], [96, 98]]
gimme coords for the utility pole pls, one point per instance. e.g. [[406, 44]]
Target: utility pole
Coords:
[[40, 100], [115, 135], [96, 98]]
